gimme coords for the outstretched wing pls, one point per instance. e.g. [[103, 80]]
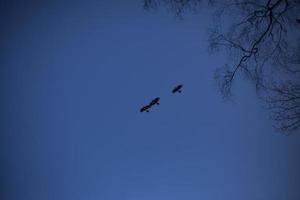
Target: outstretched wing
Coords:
[[154, 101], [142, 109], [145, 108], [174, 90]]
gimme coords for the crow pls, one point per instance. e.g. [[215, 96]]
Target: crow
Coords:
[[177, 89]]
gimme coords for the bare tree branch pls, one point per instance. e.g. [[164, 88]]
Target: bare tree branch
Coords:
[[265, 34]]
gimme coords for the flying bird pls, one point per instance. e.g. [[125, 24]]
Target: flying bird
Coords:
[[145, 108], [177, 89], [154, 101]]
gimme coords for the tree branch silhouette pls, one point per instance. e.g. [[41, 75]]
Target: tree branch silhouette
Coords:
[[263, 41]]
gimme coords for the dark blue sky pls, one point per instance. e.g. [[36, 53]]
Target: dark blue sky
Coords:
[[74, 75]]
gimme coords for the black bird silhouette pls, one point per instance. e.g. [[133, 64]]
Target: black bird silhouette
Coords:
[[177, 89], [298, 20], [145, 108], [154, 101]]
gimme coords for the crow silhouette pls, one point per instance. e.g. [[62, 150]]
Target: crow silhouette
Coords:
[[145, 108], [298, 20], [154, 101], [177, 89]]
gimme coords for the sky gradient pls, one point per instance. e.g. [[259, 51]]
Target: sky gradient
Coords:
[[73, 78]]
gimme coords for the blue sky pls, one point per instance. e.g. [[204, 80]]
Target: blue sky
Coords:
[[73, 78]]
